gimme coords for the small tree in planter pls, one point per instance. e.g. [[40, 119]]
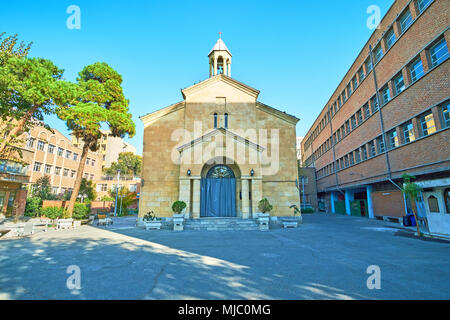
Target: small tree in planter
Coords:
[[178, 207], [265, 207], [412, 191], [151, 221]]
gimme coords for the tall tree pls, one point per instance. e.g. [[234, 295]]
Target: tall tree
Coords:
[[128, 163], [101, 102], [29, 88], [412, 192], [42, 188]]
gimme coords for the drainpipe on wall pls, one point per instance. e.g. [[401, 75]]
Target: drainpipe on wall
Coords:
[[383, 135]]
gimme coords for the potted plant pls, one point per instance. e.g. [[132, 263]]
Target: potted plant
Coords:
[[151, 221], [178, 217], [264, 207]]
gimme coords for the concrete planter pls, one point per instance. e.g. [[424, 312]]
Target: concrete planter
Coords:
[[152, 225], [178, 221], [76, 223], [263, 221]]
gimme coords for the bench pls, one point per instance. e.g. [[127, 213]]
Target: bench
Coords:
[[64, 224], [103, 220]]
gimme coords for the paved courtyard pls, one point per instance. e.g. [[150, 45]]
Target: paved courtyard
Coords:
[[326, 258]]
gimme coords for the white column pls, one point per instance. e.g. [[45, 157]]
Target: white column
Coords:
[[215, 66], [229, 69], [245, 199], [196, 200], [185, 194]]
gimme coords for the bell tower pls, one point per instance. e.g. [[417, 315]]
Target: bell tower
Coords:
[[220, 59]]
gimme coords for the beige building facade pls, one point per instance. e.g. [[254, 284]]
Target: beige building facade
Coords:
[[55, 155], [219, 150], [110, 147]]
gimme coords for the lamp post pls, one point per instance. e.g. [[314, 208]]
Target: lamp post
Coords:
[[117, 192]]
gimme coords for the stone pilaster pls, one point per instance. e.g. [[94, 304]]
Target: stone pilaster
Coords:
[[185, 195], [245, 199], [196, 200]]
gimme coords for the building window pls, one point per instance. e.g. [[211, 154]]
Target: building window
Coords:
[[372, 151], [399, 84], [68, 154], [374, 104], [354, 83], [380, 144], [339, 135], [55, 190], [48, 169], [369, 65], [215, 120], [57, 171], [51, 148], [357, 156], [366, 111], [346, 161], [438, 53], [40, 145], [363, 153], [427, 123], [353, 121], [447, 200], [226, 120], [347, 126], [344, 96], [93, 162], [352, 160], [361, 74], [378, 53], [359, 116], [66, 172], [416, 70], [405, 21], [92, 177], [433, 204], [392, 139], [390, 38], [339, 101], [385, 95], [37, 167], [423, 4], [446, 114], [87, 161], [349, 89], [72, 173], [408, 132], [75, 156], [60, 152], [30, 143]]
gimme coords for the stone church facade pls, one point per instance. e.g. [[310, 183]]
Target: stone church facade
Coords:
[[219, 150]]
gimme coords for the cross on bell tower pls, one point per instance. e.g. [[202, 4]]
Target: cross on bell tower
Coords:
[[220, 59]]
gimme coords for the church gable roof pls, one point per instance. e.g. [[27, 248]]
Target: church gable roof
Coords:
[[277, 113], [215, 132], [153, 116], [210, 81], [220, 46]]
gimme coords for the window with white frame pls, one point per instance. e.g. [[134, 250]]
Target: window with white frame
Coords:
[[378, 53], [399, 84], [446, 114], [408, 132], [416, 70], [48, 169], [75, 156], [392, 139], [423, 4], [385, 94], [60, 152], [37, 167], [439, 52], [51, 148], [427, 123], [390, 38], [30, 143], [57, 171], [41, 145], [405, 20]]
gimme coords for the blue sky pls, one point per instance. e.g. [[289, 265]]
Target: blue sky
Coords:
[[294, 52]]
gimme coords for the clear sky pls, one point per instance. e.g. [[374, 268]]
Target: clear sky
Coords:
[[294, 52]]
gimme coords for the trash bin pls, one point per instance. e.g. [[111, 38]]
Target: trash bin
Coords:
[[409, 220]]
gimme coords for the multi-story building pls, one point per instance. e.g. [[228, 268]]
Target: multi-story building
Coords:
[[299, 149], [13, 178], [389, 116], [55, 156], [110, 147], [106, 184]]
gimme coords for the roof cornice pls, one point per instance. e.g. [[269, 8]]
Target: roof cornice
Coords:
[[153, 116], [277, 113]]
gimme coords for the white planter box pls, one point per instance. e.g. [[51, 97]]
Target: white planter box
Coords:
[[439, 224], [263, 221], [64, 224], [155, 225], [178, 222], [76, 223]]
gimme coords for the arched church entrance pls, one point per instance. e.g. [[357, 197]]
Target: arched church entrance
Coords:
[[218, 192]]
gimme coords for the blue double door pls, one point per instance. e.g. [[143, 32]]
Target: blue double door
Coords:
[[218, 197]]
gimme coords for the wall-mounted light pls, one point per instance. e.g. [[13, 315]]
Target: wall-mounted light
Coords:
[[252, 172], [189, 172]]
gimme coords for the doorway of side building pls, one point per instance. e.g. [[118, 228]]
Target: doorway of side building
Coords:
[[358, 207]]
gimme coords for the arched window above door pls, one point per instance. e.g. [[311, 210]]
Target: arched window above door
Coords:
[[433, 204], [220, 172]]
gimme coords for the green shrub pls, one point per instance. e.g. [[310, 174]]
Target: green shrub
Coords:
[[308, 210], [52, 212], [80, 211], [178, 206], [265, 206], [33, 207]]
